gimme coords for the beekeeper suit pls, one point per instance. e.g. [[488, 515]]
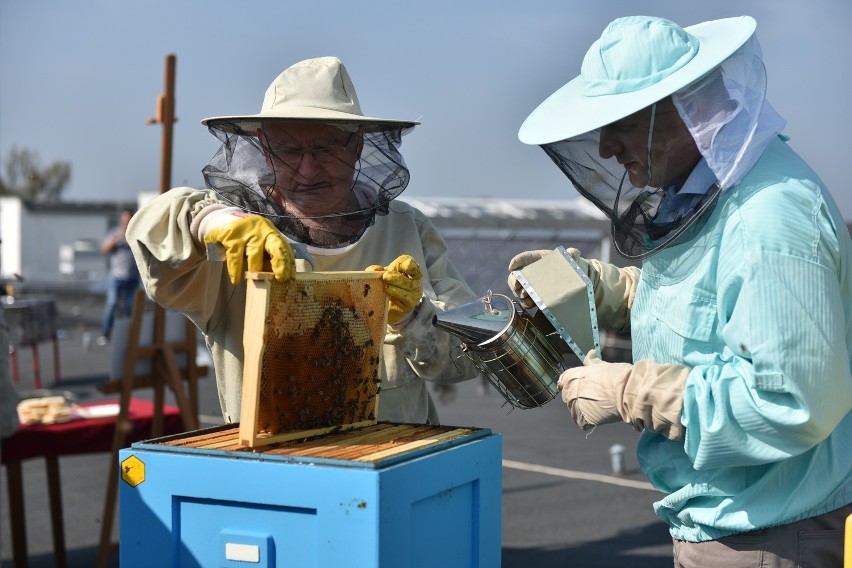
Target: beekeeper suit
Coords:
[[741, 314], [309, 176]]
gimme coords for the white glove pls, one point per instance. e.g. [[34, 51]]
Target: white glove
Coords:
[[518, 262], [615, 289], [647, 395]]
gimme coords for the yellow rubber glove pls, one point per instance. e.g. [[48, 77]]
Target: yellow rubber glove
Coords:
[[256, 239], [403, 280], [647, 395]]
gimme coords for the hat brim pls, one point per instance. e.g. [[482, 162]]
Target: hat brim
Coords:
[[249, 124], [568, 113]]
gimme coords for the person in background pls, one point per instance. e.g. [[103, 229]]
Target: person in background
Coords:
[[123, 277], [741, 313], [310, 175]]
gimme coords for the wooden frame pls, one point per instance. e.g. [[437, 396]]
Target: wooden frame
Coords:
[[314, 346]]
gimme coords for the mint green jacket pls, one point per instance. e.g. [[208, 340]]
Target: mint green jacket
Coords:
[[759, 306]]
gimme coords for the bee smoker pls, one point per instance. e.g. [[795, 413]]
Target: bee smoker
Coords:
[[522, 353]]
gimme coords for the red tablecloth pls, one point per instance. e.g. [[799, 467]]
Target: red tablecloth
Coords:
[[86, 435]]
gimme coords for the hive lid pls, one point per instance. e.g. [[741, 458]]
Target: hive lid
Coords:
[[368, 447]]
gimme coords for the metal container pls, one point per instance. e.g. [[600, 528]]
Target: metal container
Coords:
[[523, 353], [507, 348]]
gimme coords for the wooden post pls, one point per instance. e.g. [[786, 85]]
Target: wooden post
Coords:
[[164, 354], [167, 119]]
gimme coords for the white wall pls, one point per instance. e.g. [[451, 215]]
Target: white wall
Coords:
[[10, 231], [36, 240]]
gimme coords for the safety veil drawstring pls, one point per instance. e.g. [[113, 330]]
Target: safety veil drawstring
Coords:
[[650, 138]]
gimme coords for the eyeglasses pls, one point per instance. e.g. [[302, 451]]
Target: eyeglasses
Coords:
[[293, 155]]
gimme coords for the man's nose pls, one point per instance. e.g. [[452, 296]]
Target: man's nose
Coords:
[[308, 164], [608, 145]]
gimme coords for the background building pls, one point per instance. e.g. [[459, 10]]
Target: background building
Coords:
[[55, 246], [54, 249]]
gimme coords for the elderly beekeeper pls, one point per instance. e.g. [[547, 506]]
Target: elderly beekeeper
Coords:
[[741, 313], [309, 176]]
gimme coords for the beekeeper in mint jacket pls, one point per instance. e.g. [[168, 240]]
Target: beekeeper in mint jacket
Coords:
[[741, 312]]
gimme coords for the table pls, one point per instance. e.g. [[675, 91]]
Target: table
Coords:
[[50, 441], [31, 321]]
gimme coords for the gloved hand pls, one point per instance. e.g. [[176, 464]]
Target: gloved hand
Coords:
[[254, 238], [403, 280], [518, 262], [647, 395], [614, 287]]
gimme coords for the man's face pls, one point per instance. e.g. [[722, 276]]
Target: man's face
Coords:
[[673, 151], [313, 164]]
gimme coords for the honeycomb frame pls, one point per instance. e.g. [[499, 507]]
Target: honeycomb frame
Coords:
[[312, 354]]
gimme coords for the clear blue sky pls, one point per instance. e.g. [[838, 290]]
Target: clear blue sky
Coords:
[[79, 78]]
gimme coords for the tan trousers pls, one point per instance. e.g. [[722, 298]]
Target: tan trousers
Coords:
[[810, 543]]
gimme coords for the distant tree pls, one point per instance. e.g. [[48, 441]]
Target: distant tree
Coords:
[[24, 177]]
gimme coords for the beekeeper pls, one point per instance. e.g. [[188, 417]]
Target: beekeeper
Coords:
[[741, 313], [309, 172]]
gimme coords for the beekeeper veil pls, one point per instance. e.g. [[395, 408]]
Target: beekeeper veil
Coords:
[[716, 79], [260, 173]]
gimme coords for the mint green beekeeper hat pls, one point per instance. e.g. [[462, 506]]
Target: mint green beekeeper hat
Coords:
[[637, 61]]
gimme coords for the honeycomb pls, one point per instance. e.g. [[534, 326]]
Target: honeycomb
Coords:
[[322, 338]]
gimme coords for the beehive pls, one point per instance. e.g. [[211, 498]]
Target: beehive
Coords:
[[313, 350]]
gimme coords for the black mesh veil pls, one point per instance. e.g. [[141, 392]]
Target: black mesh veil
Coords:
[[641, 220], [730, 122], [242, 174]]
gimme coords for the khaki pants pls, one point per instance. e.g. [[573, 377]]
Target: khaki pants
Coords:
[[810, 543]]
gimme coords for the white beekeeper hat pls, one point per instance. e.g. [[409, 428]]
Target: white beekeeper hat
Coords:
[[315, 90]]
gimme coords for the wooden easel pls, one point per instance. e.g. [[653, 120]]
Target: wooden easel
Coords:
[[164, 372], [161, 353]]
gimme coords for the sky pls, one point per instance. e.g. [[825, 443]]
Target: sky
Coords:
[[79, 79]]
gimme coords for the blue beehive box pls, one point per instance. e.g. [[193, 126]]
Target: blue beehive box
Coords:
[[387, 495]]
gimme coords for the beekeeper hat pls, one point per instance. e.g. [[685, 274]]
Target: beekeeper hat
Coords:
[[313, 90], [637, 61]]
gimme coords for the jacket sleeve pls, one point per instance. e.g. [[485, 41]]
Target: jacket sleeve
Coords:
[[783, 380], [433, 354], [171, 259]]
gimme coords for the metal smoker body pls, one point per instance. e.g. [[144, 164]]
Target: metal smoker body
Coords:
[[520, 353]]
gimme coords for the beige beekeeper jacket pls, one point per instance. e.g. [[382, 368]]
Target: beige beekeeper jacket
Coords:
[[176, 274]]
